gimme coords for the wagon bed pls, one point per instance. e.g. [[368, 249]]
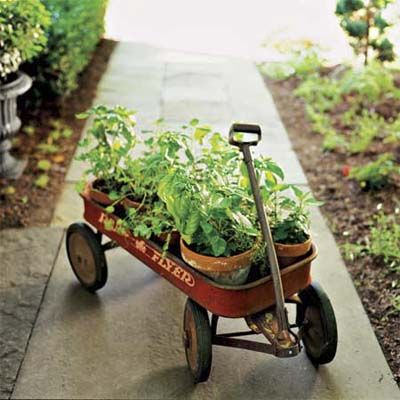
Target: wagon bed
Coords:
[[221, 300]]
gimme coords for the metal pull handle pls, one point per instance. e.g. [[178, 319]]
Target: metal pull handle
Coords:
[[244, 146], [241, 134]]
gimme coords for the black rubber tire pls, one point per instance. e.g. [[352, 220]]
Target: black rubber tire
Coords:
[[320, 337], [197, 341], [86, 257]]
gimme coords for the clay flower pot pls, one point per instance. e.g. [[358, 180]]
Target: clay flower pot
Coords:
[[128, 203], [290, 253], [97, 195], [174, 240], [232, 270]]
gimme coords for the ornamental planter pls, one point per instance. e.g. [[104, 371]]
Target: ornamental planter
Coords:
[[291, 253], [10, 167], [232, 270]]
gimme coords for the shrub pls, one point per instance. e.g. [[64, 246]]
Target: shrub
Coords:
[[22, 37], [75, 31], [364, 23]]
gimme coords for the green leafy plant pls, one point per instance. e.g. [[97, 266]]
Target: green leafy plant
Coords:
[[383, 240], [22, 33], [29, 130], [367, 127], [304, 59], [44, 165], [109, 140], [42, 181], [366, 27], [205, 194], [206, 218], [290, 221], [393, 131], [323, 93], [370, 83], [8, 191], [377, 174]]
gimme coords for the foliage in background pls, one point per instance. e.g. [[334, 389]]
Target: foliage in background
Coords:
[[303, 59], [354, 126], [377, 174], [383, 240], [22, 33], [366, 27], [76, 29]]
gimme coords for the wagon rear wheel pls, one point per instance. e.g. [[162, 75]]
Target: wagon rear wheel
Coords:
[[317, 318], [86, 256], [197, 341]]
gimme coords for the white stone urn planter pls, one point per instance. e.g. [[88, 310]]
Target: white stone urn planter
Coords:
[[10, 124]]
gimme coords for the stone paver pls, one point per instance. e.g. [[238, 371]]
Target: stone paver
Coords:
[[27, 258], [125, 342]]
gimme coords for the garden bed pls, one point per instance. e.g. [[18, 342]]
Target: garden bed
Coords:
[[349, 211], [48, 140]]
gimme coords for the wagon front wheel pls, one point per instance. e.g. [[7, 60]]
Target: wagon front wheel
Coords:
[[197, 341], [86, 256], [317, 320]]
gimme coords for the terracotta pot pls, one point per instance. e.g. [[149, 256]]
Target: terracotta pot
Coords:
[[97, 195], [175, 237], [290, 253], [127, 203], [232, 270]]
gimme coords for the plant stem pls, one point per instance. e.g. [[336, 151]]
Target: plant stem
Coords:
[[368, 21]]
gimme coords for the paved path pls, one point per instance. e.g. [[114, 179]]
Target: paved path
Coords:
[[228, 27], [27, 257], [125, 342]]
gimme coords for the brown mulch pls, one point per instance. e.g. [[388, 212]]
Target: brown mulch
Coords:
[[22, 203], [348, 210]]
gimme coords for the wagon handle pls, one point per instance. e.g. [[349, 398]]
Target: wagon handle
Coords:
[[244, 136]]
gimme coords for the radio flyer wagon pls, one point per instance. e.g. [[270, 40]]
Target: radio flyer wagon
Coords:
[[262, 303]]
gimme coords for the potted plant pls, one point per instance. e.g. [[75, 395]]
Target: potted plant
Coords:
[[22, 37], [121, 178], [107, 145], [216, 236], [290, 224]]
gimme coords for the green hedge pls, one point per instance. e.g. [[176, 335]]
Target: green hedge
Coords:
[[77, 26]]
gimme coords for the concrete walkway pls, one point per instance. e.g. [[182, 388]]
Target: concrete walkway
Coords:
[[225, 27], [125, 342]]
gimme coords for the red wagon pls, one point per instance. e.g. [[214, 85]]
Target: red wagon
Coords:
[[256, 301]]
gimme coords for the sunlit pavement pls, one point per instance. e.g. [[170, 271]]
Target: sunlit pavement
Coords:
[[228, 27]]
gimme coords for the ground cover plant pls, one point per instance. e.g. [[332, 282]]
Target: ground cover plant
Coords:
[[344, 124]]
